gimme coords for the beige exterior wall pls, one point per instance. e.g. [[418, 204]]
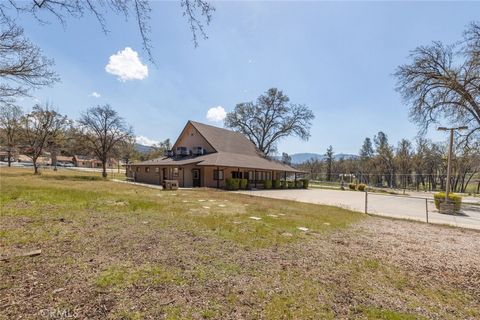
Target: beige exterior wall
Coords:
[[191, 138], [157, 174]]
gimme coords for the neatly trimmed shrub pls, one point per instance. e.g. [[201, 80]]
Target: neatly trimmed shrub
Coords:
[[305, 183], [439, 197], [232, 184], [267, 184], [299, 184], [361, 187], [291, 184], [277, 184], [243, 184], [352, 186], [284, 184]]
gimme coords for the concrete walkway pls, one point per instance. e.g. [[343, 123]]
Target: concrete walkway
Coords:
[[404, 207]]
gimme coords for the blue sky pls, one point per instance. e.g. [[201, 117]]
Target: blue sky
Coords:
[[335, 57]]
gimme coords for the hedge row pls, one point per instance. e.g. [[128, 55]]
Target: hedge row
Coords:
[[236, 184], [439, 197], [282, 184], [359, 187]]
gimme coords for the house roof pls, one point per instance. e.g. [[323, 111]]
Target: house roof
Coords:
[[222, 159], [233, 150], [223, 140], [64, 158], [82, 157]]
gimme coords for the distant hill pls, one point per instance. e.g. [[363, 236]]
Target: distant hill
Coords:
[[298, 158], [142, 148]]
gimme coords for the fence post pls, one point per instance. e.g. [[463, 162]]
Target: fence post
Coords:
[[366, 201], [426, 208]]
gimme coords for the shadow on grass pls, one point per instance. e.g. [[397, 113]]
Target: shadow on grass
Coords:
[[73, 178]]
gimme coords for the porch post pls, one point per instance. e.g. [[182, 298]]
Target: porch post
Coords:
[[255, 177], [218, 177], [295, 179]]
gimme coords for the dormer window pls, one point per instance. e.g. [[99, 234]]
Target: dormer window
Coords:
[[198, 151], [182, 151]]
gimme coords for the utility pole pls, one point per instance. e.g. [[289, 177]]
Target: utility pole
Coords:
[[450, 155]]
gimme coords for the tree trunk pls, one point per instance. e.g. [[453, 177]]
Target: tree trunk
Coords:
[[104, 169], [35, 168], [9, 155]]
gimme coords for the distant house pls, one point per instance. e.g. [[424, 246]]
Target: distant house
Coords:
[[82, 161], [4, 156], [65, 160], [90, 162], [204, 156]]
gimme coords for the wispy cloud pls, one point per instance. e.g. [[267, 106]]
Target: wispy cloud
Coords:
[[126, 65], [216, 114], [95, 94]]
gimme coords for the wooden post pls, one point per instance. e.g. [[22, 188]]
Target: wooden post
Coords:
[[255, 178], [218, 177], [426, 208], [366, 201]]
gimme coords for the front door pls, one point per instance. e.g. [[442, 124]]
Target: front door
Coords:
[[196, 177]]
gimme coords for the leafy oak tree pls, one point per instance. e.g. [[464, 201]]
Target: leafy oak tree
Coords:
[[271, 118]]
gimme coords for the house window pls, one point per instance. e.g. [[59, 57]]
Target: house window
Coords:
[[175, 172], [157, 169], [236, 175], [138, 169], [250, 175], [147, 169], [217, 174]]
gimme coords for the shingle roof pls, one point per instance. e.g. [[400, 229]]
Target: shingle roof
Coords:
[[224, 140], [233, 150]]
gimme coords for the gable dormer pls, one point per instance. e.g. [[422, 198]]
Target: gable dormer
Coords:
[[190, 142]]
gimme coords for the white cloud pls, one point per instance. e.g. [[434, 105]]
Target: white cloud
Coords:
[[145, 141], [95, 94], [216, 114], [126, 65]]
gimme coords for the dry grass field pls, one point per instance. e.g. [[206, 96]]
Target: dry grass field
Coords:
[[117, 251]]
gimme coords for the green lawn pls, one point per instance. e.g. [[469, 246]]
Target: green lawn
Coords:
[[117, 251]]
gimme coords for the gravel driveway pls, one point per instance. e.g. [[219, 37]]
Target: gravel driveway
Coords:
[[406, 207]]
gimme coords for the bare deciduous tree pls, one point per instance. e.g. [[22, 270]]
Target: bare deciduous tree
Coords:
[[270, 119], [10, 116], [22, 65], [197, 12], [442, 82], [40, 128], [103, 130]]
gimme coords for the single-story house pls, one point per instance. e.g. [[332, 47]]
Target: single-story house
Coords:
[[4, 156], [65, 160], [91, 162], [204, 156], [82, 161]]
